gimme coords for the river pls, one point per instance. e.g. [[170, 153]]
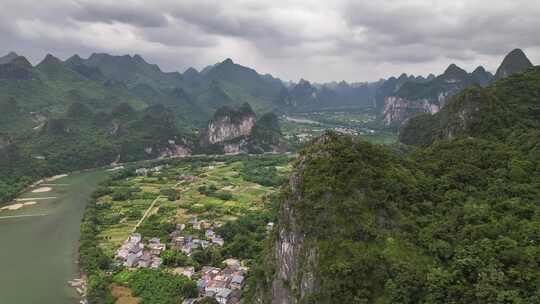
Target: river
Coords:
[[38, 243]]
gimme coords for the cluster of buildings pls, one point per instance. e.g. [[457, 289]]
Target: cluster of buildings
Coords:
[[133, 253], [145, 171], [188, 243], [224, 285]]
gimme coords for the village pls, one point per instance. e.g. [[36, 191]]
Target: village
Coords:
[[197, 224], [222, 284]]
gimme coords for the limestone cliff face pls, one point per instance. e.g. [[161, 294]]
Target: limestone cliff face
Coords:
[[234, 131], [224, 128], [397, 110], [295, 275], [294, 259], [229, 124]]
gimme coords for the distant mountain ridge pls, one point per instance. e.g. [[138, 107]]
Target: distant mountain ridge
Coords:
[[8, 58], [414, 98], [194, 96]]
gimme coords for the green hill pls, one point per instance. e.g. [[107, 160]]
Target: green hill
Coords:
[[504, 110]]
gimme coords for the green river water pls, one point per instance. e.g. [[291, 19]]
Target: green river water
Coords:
[[38, 243]]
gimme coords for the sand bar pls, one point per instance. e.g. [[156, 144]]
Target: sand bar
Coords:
[[50, 179], [42, 189], [12, 207], [34, 199], [16, 216]]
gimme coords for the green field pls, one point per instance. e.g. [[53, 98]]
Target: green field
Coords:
[[218, 191], [300, 128]]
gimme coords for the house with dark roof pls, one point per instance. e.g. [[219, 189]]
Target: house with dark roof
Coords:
[[223, 296]]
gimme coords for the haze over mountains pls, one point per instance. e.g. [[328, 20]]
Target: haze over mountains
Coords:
[[199, 94], [106, 108]]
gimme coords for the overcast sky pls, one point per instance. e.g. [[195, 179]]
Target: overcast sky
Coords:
[[319, 40]]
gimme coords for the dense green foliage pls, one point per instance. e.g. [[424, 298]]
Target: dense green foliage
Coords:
[[263, 172], [157, 287], [456, 222], [92, 260], [244, 237]]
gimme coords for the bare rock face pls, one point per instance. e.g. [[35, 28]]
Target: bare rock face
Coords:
[[295, 256], [224, 128], [229, 124], [398, 110], [288, 249]]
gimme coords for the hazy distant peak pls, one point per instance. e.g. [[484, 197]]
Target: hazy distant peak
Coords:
[[138, 58], [22, 62], [8, 58], [480, 69], [50, 59], [453, 68]]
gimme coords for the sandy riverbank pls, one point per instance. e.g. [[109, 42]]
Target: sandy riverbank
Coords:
[[18, 206], [42, 190]]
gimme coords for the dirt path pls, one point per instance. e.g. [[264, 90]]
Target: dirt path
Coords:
[[146, 213]]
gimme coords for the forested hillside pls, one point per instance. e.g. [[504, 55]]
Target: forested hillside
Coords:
[[453, 221]]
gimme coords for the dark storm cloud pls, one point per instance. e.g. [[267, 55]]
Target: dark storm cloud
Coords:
[[313, 39]]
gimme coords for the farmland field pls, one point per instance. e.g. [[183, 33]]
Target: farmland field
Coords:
[[299, 128]]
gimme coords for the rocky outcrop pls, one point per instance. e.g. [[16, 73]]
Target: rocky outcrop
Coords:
[[234, 131], [288, 250], [229, 124], [398, 110]]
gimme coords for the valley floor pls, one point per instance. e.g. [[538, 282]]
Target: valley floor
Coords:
[[197, 221]]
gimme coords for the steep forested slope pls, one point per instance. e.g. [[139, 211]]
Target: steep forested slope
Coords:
[[55, 118], [505, 110]]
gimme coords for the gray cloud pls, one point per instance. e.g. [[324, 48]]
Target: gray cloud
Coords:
[[355, 40], [120, 11]]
